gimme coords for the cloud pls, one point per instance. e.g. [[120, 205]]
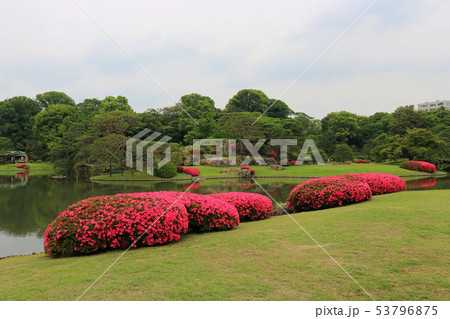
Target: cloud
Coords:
[[396, 54]]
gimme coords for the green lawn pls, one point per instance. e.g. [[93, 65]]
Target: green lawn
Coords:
[[396, 246], [8, 169], [307, 170]]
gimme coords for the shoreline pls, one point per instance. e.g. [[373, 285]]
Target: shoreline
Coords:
[[94, 179]]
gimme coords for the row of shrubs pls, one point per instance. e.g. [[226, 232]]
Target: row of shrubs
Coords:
[[333, 191], [147, 219], [419, 166], [170, 170], [23, 166]]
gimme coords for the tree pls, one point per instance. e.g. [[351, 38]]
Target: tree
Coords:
[[90, 107], [343, 153], [404, 118], [338, 128], [248, 100], [16, 120], [201, 108], [108, 149], [111, 103], [54, 97], [278, 109], [387, 147], [421, 143], [63, 152], [5, 145], [52, 122]]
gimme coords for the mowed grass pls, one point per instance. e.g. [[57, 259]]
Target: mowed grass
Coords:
[[396, 246], [35, 169], [301, 171]]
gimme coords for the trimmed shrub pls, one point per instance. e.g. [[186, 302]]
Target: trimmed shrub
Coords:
[[273, 155], [252, 171], [361, 161], [250, 206], [169, 170], [292, 163], [109, 222], [180, 169], [419, 166], [25, 167], [206, 213], [191, 171], [327, 192], [245, 167], [19, 166], [379, 183]]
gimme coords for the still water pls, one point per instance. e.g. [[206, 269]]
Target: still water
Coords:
[[29, 203]]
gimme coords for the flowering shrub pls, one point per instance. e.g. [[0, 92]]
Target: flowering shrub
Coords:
[[252, 170], [19, 166], [379, 183], [180, 169], [233, 146], [361, 161], [25, 167], [421, 183], [294, 163], [419, 166], [327, 192], [273, 155], [249, 205], [245, 167], [206, 213], [191, 171], [108, 222]]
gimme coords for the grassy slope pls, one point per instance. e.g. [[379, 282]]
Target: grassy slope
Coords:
[[307, 170], [395, 246]]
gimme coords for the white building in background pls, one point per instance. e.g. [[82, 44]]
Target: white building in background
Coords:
[[428, 106]]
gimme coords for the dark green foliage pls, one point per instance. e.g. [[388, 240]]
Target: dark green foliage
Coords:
[[169, 170]]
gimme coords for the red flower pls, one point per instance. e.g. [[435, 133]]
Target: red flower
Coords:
[[249, 205], [245, 167]]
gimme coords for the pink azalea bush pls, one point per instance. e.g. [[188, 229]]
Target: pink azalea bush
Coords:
[[206, 213], [292, 163], [327, 192], [273, 155], [362, 161], [379, 183], [249, 205], [191, 171], [245, 167], [109, 222], [419, 166]]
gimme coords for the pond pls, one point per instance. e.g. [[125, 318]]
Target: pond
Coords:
[[29, 203]]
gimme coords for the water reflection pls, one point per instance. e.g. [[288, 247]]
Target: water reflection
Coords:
[[29, 203]]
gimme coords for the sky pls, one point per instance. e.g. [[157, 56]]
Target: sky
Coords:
[[154, 52]]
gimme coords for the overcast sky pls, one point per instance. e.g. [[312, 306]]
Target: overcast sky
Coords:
[[397, 54]]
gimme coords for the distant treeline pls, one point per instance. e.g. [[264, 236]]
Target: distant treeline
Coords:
[[52, 127]]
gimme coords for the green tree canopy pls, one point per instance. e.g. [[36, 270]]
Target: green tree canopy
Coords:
[[404, 118], [16, 119], [54, 97], [248, 100], [111, 103]]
